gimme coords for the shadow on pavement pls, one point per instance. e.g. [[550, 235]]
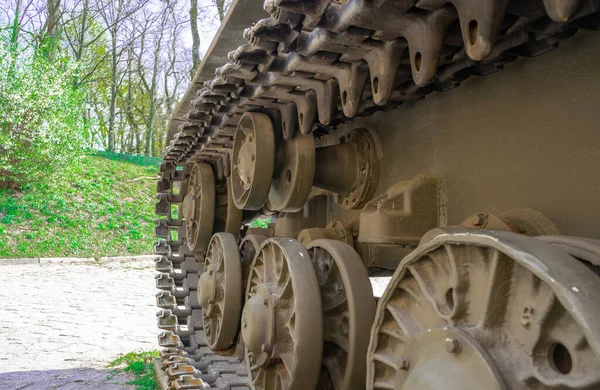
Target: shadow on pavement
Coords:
[[74, 378]]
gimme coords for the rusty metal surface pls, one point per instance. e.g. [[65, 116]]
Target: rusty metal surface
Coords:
[[537, 328]]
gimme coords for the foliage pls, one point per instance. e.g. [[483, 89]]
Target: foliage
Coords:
[[140, 365], [102, 205], [261, 223], [41, 113]]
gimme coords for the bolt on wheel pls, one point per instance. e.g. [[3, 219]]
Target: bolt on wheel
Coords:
[[282, 325], [199, 207], [251, 171], [483, 309], [220, 291], [348, 313]]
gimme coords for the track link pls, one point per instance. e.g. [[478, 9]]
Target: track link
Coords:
[[186, 356], [315, 64]]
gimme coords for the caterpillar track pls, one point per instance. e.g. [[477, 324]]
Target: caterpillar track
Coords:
[[285, 130]]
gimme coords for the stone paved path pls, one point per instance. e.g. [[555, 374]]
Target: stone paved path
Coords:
[[70, 316]]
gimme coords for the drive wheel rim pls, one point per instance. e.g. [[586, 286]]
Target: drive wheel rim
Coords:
[[220, 291], [252, 161], [348, 312], [199, 207], [524, 312], [282, 325]]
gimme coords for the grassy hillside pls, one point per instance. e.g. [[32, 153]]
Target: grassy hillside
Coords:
[[102, 205]]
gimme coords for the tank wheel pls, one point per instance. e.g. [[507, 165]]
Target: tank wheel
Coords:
[[228, 218], [199, 206], [293, 177], [486, 310], [251, 171], [282, 324], [348, 313], [248, 249], [523, 221], [583, 249], [220, 291]]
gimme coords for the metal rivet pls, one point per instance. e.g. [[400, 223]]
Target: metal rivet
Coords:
[[404, 363], [452, 345]]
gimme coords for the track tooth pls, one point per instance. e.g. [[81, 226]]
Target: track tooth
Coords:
[[163, 206], [162, 247], [176, 359], [168, 352], [165, 300], [169, 339], [162, 229], [166, 320], [189, 382], [163, 185], [165, 282], [184, 310], [163, 264], [179, 369]]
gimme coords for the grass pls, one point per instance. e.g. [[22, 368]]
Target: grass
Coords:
[[140, 365], [101, 205]]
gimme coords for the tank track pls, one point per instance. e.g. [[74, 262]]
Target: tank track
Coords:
[[311, 66], [315, 64], [186, 355]]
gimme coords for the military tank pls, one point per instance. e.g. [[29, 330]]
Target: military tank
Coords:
[[429, 228]]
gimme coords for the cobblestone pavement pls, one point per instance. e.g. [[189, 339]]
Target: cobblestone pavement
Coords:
[[69, 316]]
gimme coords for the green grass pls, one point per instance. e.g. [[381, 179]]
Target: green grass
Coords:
[[101, 205], [140, 365]]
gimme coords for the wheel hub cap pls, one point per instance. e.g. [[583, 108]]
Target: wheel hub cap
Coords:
[[189, 205], [246, 162], [258, 324], [206, 291]]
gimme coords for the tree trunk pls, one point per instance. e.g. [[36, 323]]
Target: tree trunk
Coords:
[[195, 35]]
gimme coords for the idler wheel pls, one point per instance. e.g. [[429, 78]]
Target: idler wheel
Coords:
[[220, 291], [348, 313], [282, 324], [294, 172], [478, 309], [199, 206], [252, 161]]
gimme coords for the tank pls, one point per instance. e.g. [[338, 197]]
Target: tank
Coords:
[[422, 226]]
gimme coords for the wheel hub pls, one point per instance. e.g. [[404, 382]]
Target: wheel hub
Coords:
[[206, 291], [446, 358], [246, 161], [258, 322], [189, 205]]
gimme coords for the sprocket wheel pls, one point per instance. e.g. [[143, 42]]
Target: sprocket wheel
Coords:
[[282, 325], [199, 206], [473, 309], [251, 170], [348, 313], [220, 291]]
